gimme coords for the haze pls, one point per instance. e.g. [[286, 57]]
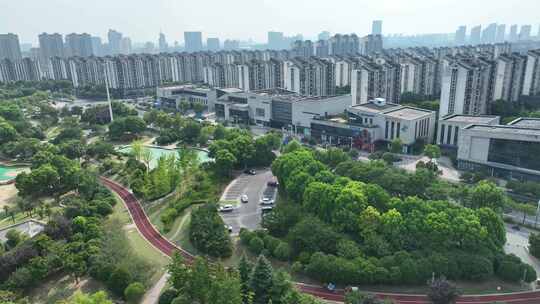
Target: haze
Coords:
[[243, 19]]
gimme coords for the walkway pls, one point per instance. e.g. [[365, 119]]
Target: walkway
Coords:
[[162, 244]]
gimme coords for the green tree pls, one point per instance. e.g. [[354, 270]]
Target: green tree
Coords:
[[225, 162], [396, 146], [134, 292], [432, 151], [261, 281], [7, 132], [99, 297], [487, 194], [534, 244]]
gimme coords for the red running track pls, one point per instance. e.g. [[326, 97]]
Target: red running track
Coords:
[[159, 242]]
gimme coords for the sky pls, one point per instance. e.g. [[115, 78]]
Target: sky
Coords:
[[142, 20]]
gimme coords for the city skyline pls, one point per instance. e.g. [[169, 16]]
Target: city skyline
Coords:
[[258, 17]]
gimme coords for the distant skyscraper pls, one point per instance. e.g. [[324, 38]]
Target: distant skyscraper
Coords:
[[276, 41], [324, 35], [9, 47], [212, 44], [461, 35], [501, 32], [525, 32], [193, 41], [376, 27], [230, 45], [489, 34], [115, 39], [97, 46], [513, 33], [372, 44], [51, 45], [125, 46], [163, 46], [476, 33], [79, 45]]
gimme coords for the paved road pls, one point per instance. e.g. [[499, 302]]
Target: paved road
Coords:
[[517, 242], [247, 215], [166, 247]]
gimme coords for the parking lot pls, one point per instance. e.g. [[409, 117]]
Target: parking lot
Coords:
[[247, 215]]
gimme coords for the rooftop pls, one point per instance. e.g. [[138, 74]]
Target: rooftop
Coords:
[[471, 119], [526, 122], [186, 87], [375, 108], [502, 129], [408, 113]]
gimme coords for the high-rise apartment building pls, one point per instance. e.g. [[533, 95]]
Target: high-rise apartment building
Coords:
[[51, 45], [324, 35], [509, 74], [375, 78], [310, 77], [466, 86], [531, 81], [276, 41], [193, 41], [9, 47], [230, 45], [513, 36], [97, 46], [489, 34], [302, 48], [344, 45], [115, 41], [461, 35], [372, 44], [163, 46], [125, 46], [476, 34], [212, 44], [79, 45], [376, 27], [322, 48], [525, 32], [501, 33]]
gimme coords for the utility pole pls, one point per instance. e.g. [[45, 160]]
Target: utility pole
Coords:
[[108, 95]]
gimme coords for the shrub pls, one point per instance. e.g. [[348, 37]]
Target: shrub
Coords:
[[282, 251], [134, 292], [256, 245], [168, 296]]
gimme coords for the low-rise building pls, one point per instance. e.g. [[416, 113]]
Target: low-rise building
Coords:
[[172, 96], [449, 127], [509, 151], [364, 125]]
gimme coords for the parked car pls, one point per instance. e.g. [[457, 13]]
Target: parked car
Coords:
[[226, 208], [266, 209], [244, 199], [267, 201], [272, 183], [250, 171]]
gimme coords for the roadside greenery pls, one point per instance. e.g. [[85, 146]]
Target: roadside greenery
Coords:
[[207, 232]]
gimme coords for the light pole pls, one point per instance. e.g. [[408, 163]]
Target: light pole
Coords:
[[537, 210], [108, 95]]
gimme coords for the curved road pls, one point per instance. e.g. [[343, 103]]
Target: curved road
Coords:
[[166, 247]]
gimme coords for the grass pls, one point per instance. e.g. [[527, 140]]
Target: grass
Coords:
[[138, 243], [61, 287]]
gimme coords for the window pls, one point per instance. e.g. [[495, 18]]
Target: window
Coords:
[[392, 130], [456, 130], [416, 130], [259, 112], [398, 129], [449, 137], [371, 121], [441, 140], [386, 131]]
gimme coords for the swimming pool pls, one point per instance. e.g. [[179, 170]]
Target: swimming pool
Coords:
[[157, 152], [9, 173]]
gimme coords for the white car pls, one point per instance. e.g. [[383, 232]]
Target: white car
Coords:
[[244, 199], [267, 201], [229, 228], [226, 208]]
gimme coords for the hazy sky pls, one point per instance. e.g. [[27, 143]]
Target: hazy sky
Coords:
[[241, 19]]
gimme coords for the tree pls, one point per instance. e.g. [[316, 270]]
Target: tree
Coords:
[[261, 281], [99, 297], [13, 238], [244, 270], [487, 194], [441, 291], [534, 244], [396, 146], [134, 292], [119, 280], [225, 161], [183, 106], [168, 296], [432, 151], [7, 132]]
